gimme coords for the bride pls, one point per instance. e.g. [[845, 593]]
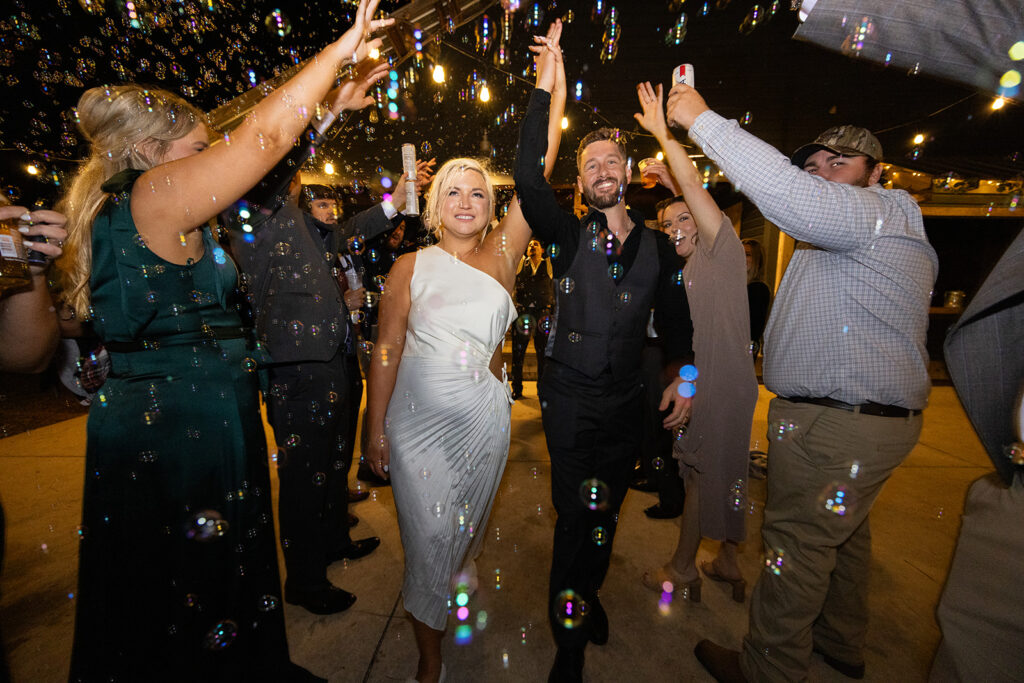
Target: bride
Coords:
[[438, 414]]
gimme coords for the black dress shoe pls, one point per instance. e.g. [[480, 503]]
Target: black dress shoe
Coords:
[[352, 520], [516, 395], [368, 476], [597, 622], [329, 600], [849, 670], [355, 549], [568, 666], [644, 484], [722, 663], [658, 512], [357, 496]]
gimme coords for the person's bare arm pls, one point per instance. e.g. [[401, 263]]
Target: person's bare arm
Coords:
[[175, 198], [395, 303], [706, 214]]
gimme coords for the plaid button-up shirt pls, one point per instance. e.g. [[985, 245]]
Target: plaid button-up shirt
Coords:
[[851, 313]]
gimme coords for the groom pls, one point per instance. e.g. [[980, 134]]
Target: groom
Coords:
[[609, 271]]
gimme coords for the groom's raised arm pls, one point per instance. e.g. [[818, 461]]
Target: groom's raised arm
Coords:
[[549, 222]]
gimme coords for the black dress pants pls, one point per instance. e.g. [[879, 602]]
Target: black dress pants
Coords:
[[308, 408], [593, 430], [521, 342], [656, 461]]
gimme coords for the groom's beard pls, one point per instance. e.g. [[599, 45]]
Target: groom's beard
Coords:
[[606, 199]]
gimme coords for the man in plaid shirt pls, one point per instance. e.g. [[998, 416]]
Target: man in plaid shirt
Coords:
[[845, 356]]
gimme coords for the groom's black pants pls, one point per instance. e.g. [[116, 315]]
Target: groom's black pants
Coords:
[[592, 428]]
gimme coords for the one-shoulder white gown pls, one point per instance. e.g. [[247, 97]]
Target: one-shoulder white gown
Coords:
[[447, 424]]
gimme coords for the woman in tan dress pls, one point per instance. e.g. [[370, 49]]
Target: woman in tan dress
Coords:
[[714, 451]]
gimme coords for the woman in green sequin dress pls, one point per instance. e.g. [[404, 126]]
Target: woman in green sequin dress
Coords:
[[178, 577]]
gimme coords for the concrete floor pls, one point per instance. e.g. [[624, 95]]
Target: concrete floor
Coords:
[[914, 524]]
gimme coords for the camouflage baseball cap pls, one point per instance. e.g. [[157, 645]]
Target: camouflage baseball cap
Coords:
[[847, 140]]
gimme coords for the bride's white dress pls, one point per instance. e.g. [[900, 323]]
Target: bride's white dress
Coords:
[[447, 424]]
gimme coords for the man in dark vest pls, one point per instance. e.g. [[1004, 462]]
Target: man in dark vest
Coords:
[[293, 275], [608, 275], [534, 297]]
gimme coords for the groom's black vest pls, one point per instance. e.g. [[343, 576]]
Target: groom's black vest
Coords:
[[601, 324]]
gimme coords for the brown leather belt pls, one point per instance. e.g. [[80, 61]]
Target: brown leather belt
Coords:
[[876, 409]]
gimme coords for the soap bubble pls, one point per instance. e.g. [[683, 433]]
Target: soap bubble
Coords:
[[737, 495], [625, 298], [277, 23], [526, 324], [616, 271], [594, 493], [836, 499], [774, 561], [296, 328], [356, 244], [688, 373], [782, 429], [575, 337], [569, 609], [206, 526], [426, 148], [221, 635], [267, 603], [545, 323], [599, 535], [566, 285], [554, 250]]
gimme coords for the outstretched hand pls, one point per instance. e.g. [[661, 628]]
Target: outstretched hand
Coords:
[[424, 174], [356, 41], [351, 94], [548, 55], [653, 116]]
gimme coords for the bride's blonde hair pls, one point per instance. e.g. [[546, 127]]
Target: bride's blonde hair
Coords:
[[443, 181], [126, 126]]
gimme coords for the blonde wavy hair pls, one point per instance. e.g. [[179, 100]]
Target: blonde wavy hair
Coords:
[[443, 181], [126, 126]]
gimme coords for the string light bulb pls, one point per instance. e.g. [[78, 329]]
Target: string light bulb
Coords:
[[660, 156], [998, 103], [565, 122], [485, 93], [32, 170], [329, 168], [918, 139], [438, 73]]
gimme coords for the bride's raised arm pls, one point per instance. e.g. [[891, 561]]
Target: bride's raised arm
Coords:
[[513, 232]]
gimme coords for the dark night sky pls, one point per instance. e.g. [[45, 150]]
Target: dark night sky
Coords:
[[51, 49]]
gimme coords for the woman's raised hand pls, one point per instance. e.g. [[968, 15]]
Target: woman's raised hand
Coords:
[[352, 95], [356, 41], [548, 55], [653, 116]]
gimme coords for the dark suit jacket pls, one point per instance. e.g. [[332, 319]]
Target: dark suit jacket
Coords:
[[960, 40], [297, 304], [287, 267], [985, 355]]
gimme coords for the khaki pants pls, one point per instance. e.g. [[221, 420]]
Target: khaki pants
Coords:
[[824, 474], [981, 612]]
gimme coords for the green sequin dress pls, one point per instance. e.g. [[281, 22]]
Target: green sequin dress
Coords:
[[178, 576]]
